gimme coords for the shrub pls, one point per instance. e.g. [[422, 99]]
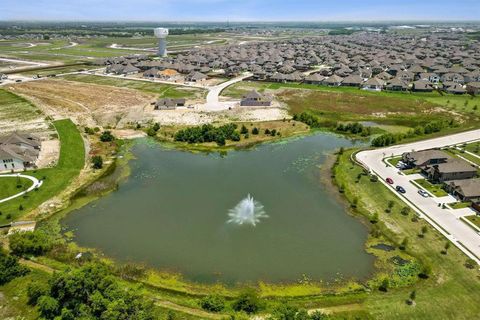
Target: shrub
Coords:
[[213, 303], [97, 162], [10, 268], [247, 302], [106, 136], [384, 285], [35, 290], [255, 131], [30, 243], [470, 263], [243, 130]]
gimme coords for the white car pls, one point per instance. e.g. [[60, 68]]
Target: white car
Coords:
[[423, 193]]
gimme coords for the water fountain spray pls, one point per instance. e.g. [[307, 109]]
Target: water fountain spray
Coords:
[[247, 211]]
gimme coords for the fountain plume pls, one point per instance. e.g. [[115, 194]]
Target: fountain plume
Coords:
[[247, 211]]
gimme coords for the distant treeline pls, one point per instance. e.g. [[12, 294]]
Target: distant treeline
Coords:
[[341, 32], [103, 31]]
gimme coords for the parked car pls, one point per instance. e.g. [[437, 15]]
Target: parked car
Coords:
[[423, 193], [400, 165], [389, 180], [400, 189]]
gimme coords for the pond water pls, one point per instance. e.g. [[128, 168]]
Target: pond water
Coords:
[[260, 214]]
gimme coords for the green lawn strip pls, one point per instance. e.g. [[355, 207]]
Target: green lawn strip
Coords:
[[460, 205], [445, 295], [459, 154], [434, 189], [474, 147], [163, 90], [10, 186], [474, 219], [56, 179], [394, 161]]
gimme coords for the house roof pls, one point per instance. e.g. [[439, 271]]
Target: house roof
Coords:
[[420, 157], [455, 165], [467, 187]]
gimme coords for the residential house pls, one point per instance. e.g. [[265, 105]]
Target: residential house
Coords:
[[169, 103], [196, 77], [473, 88], [256, 99], [396, 85], [374, 84], [422, 86], [464, 190], [418, 159], [453, 169], [18, 151]]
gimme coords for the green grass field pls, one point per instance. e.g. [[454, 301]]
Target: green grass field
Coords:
[[474, 219], [11, 185], [13, 107], [162, 90], [452, 292], [57, 179]]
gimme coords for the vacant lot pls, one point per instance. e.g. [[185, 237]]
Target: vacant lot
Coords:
[[86, 103], [352, 104], [161, 90], [17, 113]]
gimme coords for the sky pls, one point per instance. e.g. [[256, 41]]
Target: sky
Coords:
[[240, 10]]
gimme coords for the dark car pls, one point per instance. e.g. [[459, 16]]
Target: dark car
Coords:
[[400, 189], [389, 180]]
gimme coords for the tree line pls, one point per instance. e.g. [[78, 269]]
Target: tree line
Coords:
[[209, 133]]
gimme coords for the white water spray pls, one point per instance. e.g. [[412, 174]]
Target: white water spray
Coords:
[[247, 211]]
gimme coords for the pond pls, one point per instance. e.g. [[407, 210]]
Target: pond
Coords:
[[259, 214]]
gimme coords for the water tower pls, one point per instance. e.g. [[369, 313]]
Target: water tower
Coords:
[[161, 34]]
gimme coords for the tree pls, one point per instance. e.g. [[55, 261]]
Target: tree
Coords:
[[384, 285], [97, 162], [390, 206], [30, 243], [255, 131], [213, 303], [156, 126], [267, 131], [285, 312], [423, 231], [413, 295], [426, 271], [106, 136], [48, 307], [405, 211], [248, 302], [404, 244], [10, 268], [243, 130], [446, 247], [470, 263], [317, 315]]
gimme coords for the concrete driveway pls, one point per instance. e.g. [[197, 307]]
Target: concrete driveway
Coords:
[[446, 221]]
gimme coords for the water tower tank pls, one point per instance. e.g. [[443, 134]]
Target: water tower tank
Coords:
[[161, 34]]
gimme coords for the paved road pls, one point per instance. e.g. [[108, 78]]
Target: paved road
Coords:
[[213, 102], [36, 184], [444, 220]]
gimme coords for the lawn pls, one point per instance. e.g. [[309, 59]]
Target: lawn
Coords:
[[162, 90], [473, 147], [474, 219], [460, 205], [10, 186], [452, 292], [435, 189], [57, 179]]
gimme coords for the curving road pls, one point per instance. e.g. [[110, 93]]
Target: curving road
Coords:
[[213, 102], [446, 221], [36, 184]]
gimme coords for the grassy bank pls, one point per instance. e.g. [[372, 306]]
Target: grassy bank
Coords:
[[56, 179], [10, 186], [450, 292]]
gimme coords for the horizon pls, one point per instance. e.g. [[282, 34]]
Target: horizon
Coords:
[[268, 11]]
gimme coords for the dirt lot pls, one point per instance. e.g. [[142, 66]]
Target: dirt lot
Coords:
[[87, 104]]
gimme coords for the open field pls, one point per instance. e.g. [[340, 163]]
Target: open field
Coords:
[[18, 113], [450, 285], [58, 70], [72, 159], [10, 186], [86, 103], [351, 104], [159, 89]]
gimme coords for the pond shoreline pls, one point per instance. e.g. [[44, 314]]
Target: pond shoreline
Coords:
[[312, 288]]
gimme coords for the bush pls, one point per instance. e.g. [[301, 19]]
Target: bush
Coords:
[[470, 263], [213, 303], [91, 292], [10, 268], [30, 243], [208, 133], [89, 131], [97, 162], [248, 302], [243, 130], [35, 290], [106, 136], [255, 131]]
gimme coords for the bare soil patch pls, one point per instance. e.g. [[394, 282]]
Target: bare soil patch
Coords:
[[88, 104]]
